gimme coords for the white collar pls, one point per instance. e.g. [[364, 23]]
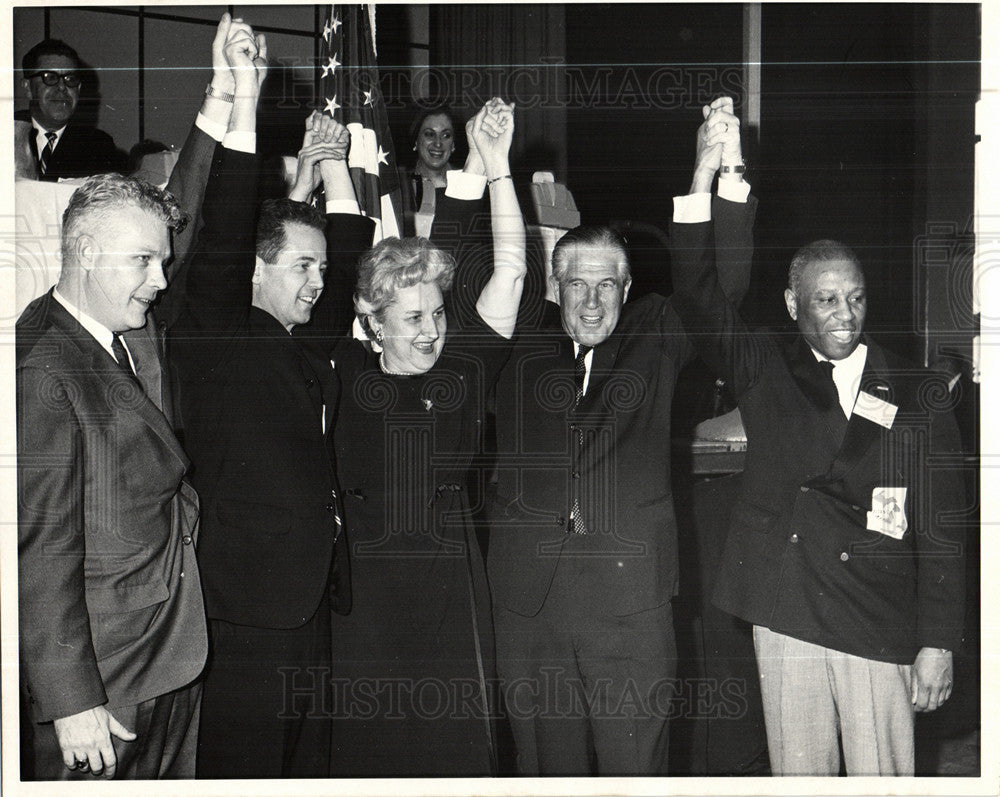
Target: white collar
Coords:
[[97, 330], [41, 134], [847, 375]]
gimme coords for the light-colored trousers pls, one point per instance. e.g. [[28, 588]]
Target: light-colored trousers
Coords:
[[811, 693]]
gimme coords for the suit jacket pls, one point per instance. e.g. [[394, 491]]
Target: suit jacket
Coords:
[[187, 184], [611, 454], [81, 152], [800, 557], [253, 403], [109, 595]]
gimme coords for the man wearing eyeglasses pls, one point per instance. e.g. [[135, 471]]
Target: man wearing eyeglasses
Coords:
[[52, 80]]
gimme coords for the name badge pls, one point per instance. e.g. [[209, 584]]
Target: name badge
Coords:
[[874, 409], [888, 513]]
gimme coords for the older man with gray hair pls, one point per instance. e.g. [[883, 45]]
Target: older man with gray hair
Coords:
[[112, 625]]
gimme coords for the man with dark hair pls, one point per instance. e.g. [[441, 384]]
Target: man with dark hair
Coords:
[[257, 406], [840, 549], [52, 78], [112, 625], [583, 541]]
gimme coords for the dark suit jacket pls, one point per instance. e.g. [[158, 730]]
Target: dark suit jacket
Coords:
[[252, 399], [82, 151], [799, 558], [612, 453], [109, 596], [187, 184]]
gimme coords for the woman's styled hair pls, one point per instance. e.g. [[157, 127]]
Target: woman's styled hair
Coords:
[[396, 263]]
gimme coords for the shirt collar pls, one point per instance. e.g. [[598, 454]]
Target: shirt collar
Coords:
[[41, 133], [97, 330], [853, 361]]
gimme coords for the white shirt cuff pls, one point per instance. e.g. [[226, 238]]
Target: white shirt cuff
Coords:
[[692, 208], [241, 141], [343, 206], [210, 128], [462, 185], [697, 208], [734, 190]]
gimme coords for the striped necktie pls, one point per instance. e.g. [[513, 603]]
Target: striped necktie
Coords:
[[43, 159], [576, 524]]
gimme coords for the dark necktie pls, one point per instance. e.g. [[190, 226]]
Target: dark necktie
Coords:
[[580, 371], [576, 524], [118, 349], [833, 396], [43, 159]]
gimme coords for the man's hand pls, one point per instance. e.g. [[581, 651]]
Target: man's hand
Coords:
[[222, 78], [325, 139], [732, 150], [260, 59], [492, 133], [718, 143], [241, 52], [85, 740], [931, 679]]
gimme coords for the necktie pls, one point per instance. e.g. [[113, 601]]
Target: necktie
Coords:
[[580, 371], [118, 349], [43, 159], [833, 395], [576, 523]]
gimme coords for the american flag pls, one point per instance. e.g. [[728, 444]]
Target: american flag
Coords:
[[351, 94]]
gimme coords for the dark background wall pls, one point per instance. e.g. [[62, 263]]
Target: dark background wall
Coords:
[[866, 117]]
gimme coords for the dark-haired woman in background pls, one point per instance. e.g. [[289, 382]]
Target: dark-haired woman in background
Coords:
[[433, 137]]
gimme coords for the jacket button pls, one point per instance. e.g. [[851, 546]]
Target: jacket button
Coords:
[[330, 507], [794, 538], [560, 521], [844, 557], [186, 539], [804, 489], [310, 382], [576, 474]]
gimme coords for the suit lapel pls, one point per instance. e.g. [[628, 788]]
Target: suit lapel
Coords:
[[862, 433], [101, 363], [816, 386], [145, 354], [601, 367]]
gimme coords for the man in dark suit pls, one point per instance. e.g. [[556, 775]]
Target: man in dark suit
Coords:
[[583, 542], [112, 625], [51, 75], [838, 551], [257, 406]]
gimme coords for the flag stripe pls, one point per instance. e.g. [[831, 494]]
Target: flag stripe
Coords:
[[351, 93]]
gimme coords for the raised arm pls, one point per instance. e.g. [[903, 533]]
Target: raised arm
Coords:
[[348, 233], [711, 248], [218, 291], [189, 176], [492, 131], [719, 151]]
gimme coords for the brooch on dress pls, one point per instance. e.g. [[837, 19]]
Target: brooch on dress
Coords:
[[428, 404]]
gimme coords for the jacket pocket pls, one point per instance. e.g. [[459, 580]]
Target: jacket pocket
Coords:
[[126, 597]]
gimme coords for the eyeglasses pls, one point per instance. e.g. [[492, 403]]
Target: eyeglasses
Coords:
[[70, 79]]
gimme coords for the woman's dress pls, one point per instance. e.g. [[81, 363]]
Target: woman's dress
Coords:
[[413, 673]]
